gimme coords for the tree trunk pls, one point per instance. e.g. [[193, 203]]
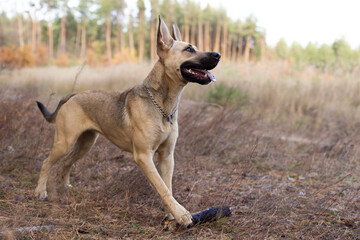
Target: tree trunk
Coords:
[[200, 42], [20, 31], [234, 46], [77, 41], [51, 40], [83, 40], [186, 27], [2, 37], [108, 40], [169, 18], [117, 32], [239, 47], [217, 37], [122, 39], [131, 36], [28, 30], [207, 36], [224, 41], [50, 33], [141, 33], [193, 27], [228, 46], [33, 34], [38, 37], [247, 48], [62, 41]]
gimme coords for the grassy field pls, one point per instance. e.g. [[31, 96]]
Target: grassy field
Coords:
[[279, 144]]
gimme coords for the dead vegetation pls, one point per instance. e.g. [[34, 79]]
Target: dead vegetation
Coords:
[[282, 181]]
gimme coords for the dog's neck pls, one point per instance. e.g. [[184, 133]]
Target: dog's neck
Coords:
[[165, 89]]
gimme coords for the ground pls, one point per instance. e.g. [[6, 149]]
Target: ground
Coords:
[[281, 182]]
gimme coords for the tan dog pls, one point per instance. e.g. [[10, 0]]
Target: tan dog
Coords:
[[141, 120]]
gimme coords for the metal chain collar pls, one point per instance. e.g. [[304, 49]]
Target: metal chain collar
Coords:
[[167, 116]]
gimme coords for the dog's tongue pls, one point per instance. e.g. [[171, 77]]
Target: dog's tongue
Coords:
[[212, 78], [202, 73]]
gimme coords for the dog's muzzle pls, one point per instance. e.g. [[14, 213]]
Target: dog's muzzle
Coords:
[[196, 70]]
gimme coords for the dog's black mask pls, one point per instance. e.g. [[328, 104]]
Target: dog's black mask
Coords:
[[196, 69]]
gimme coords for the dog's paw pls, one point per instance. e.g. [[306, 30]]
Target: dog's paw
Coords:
[[186, 219], [183, 217], [41, 194]]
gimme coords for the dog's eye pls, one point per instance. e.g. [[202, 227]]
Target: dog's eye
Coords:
[[190, 49]]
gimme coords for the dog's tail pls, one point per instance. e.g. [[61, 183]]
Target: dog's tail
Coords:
[[50, 117]]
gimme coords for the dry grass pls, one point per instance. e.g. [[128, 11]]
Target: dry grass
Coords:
[[285, 92], [282, 179], [60, 80]]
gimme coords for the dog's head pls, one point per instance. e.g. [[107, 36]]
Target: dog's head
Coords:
[[182, 60]]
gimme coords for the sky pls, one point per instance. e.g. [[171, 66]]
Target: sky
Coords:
[[317, 21], [301, 21]]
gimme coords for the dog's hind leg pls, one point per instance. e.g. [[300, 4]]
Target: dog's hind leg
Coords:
[[68, 130], [61, 147], [82, 146]]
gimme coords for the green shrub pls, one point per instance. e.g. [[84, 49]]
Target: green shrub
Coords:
[[224, 95]]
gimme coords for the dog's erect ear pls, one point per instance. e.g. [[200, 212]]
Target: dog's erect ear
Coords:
[[164, 39], [176, 32]]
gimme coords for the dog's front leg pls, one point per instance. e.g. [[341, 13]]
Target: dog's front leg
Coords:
[[166, 168], [144, 159]]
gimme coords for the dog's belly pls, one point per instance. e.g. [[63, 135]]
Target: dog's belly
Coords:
[[120, 139]]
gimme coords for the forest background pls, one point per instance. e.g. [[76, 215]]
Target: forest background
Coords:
[[103, 32]]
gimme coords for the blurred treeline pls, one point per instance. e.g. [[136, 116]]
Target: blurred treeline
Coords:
[[106, 32], [338, 55], [103, 32]]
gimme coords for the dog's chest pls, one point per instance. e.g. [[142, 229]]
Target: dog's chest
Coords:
[[165, 131]]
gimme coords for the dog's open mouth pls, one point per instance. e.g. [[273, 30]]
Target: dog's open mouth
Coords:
[[197, 74], [200, 74]]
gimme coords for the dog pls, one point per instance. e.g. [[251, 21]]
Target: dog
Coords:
[[141, 120]]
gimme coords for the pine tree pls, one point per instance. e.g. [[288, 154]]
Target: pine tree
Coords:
[[62, 36], [141, 17]]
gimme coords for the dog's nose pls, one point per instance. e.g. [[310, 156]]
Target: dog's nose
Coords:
[[216, 55]]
